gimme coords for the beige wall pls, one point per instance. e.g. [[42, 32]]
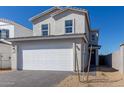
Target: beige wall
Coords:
[[57, 23]]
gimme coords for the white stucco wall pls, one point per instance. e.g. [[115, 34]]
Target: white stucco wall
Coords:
[[78, 22], [116, 59], [44, 20], [57, 23]]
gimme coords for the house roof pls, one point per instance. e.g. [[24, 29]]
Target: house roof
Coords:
[[43, 13], [12, 23], [70, 8], [51, 37], [58, 12], [75, 9]]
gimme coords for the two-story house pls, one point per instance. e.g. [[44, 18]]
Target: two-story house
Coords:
[[60, 41], [9, 29]]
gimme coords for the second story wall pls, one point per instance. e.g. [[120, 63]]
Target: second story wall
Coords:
[[44, 20], [78, 22], [56, 23]]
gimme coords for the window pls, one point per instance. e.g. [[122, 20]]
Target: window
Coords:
[[45, 29], [4, 33], [68, 26], [93, 37]]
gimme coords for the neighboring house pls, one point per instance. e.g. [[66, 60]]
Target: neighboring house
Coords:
[[61, 40], [9, 29]]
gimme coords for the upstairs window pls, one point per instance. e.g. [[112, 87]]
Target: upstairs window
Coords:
[[68, 26], [4, 33], [93, 37], [45, 29]]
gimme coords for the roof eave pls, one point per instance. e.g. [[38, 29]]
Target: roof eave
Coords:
[[46, 38], [42, 13]]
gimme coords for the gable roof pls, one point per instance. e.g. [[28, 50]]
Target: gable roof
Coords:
[[70, 8], [75, 9], [43, 13]]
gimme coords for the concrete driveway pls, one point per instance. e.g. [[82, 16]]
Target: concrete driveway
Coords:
[[32, 78]]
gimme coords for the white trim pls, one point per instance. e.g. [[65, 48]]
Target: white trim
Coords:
[[45, 30], [70, 26], [74, 9]]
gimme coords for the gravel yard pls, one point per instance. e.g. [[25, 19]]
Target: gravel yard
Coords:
[[105, 77]]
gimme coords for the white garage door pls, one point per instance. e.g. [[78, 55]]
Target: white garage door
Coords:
[[48, 57]]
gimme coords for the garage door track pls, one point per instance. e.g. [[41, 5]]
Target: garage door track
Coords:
[[32, 78]]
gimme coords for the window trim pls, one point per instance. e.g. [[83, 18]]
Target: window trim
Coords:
[[69, 26], [45, 30]]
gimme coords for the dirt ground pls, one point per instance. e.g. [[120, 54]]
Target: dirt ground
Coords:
[[103, 77]]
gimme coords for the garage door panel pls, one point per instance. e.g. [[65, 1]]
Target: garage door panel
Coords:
[[48, 59]]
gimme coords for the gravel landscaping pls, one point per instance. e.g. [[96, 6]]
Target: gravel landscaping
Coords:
[[105, 77]]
